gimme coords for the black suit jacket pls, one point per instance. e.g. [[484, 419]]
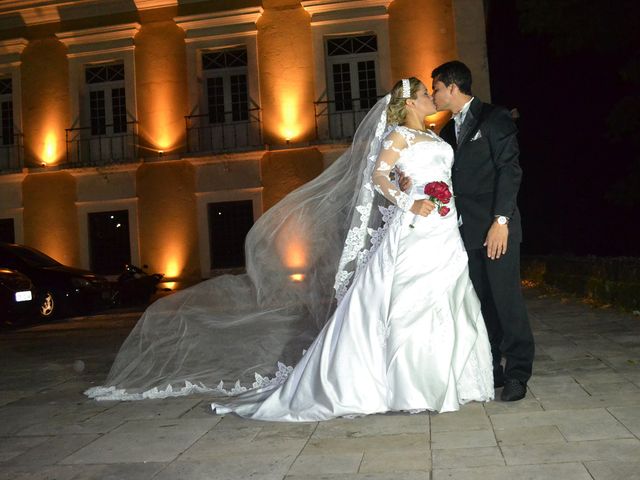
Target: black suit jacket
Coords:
[[486, 171]]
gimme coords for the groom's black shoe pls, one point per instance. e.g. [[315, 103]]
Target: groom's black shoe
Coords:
[[513, 390]]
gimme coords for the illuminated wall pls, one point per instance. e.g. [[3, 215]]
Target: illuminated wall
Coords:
[[421, 37], [285, 170], [45, 101], [161, 87], [50, 219], [286, 72], [167, 218]]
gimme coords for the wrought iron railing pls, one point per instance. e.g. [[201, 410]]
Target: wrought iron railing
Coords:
[[338, 120], [85, 149], [11, 154], [207, 136]]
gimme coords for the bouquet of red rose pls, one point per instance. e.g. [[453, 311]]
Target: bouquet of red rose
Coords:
[[438, 193]]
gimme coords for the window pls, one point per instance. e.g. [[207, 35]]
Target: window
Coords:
[[109, 248], [7, 230], [229, 223], [226, 83], [230, 121], [222, 72], [103, 128], [105, 135], [107, 109], [352, 83], [6, 111]]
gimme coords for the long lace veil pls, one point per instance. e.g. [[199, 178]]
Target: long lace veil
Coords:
[[229, 333]]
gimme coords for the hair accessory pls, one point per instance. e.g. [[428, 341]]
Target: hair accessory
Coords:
[[406, 88]]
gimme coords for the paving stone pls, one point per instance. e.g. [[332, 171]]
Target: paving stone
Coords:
[[388, 424], [321, 464], [14, 418], [564, 471], [142, 441], [139, 471], [625, 450], [395, 461], [146, 410], [13, 446], [629, 417], [467, 457], [54, 450], [563, 402], [218, 446], [529, 435], [611, 389], [528, 404], [463, 439], [361, 476], [607, 470], [230, 467], [10, 396], [408, 442], [471, 416]]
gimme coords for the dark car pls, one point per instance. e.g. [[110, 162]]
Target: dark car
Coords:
[[61, 289], [17, 297]]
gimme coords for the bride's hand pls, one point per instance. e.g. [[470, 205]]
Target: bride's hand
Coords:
[[404, 181], [423, 207]]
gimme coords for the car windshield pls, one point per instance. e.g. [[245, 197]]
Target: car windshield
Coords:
[[34, 258]]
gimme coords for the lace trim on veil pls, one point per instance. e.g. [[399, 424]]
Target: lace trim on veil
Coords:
[[367, 229], [113, 393]]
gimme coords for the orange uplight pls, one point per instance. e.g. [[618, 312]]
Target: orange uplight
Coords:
[[292, 247], [294, 255], [50, 149], [437, 120], [290, 126], [173, 267]]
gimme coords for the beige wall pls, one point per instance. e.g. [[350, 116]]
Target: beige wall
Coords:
[[421, 37], [50, 220], [286, 72], [161, 87], [167, 218], [45, 101], [286, 170], [471, 43]]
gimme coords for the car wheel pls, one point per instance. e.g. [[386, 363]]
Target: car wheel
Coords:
[[48, 306]]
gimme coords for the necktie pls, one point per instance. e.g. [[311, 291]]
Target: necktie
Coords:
[[458, 124]]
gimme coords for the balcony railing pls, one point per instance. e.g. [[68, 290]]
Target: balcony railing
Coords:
[[85, 149], [204, 136], [338, 120], [12, 155]]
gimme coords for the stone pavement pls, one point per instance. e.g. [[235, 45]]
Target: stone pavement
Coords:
[[580, 419]]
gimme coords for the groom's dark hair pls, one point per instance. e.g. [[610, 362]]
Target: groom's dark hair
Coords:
[[454, 72]]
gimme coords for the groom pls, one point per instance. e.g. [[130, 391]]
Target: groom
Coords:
[[486, 177]]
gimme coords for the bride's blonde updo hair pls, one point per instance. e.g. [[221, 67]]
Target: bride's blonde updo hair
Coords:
[[396, 111]]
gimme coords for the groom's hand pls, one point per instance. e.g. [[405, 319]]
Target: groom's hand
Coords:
[[496, 241], [404, 181]]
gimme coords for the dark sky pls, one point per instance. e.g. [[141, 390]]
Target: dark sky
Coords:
[[577, 175]]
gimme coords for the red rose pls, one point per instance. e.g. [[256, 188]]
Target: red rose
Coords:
[[443, 211], [439, 191]]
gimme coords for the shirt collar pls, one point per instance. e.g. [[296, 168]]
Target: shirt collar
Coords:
[[459, 117]]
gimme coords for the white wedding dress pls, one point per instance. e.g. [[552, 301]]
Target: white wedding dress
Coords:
[[408, 334]]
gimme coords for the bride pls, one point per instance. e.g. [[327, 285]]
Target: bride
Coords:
[[406, 332]]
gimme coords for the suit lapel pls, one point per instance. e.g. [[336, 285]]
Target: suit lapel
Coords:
[[470, 121]]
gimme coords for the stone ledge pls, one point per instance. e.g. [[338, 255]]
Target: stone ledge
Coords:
[[605, 280]]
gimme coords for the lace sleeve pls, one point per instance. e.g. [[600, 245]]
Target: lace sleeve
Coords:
[[389, 155]]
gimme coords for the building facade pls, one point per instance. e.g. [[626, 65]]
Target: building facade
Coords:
[[157, 131]]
